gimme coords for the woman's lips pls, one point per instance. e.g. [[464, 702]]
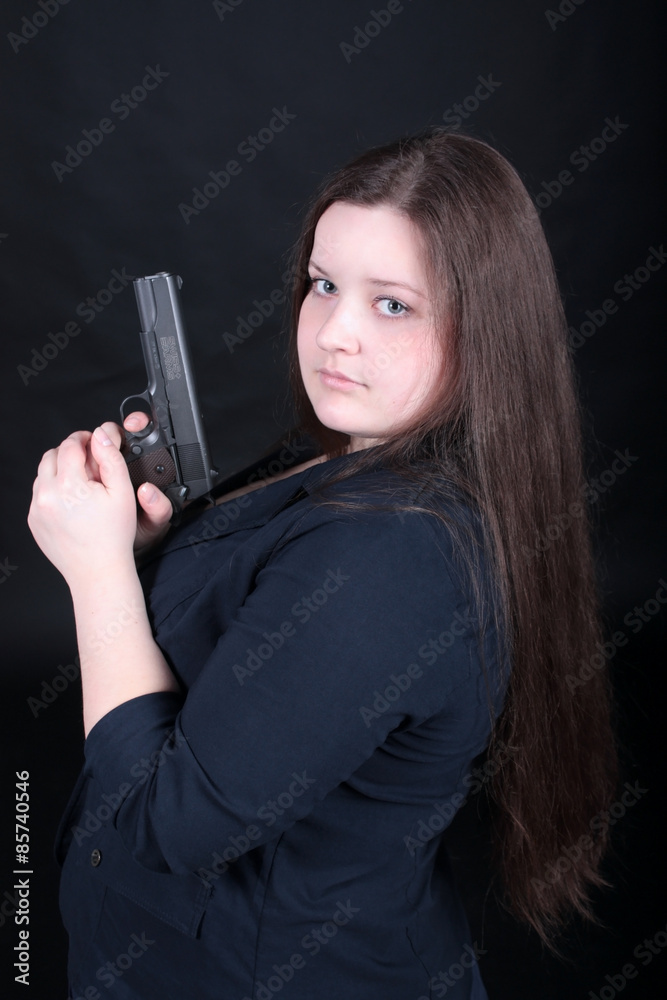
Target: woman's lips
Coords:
[[335, 379]]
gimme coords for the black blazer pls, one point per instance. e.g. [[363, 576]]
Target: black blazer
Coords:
[[273, 831]]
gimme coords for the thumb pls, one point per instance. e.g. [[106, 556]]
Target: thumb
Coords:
[[156, 507], [154, 518]]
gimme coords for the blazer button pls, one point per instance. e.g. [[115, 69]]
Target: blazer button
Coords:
[[95, 858]]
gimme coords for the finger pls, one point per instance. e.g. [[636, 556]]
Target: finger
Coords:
[[75, 445], [83, 437], [136, 421], [114, 432], [48, 466], [156, 507], [46, 474], [90, 466], [71, 454], [72, 481], [112, 465]]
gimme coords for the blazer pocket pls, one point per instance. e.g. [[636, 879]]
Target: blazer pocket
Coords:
[[177, 900]]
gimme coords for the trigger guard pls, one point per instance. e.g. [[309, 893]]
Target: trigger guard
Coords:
[[126, 408]]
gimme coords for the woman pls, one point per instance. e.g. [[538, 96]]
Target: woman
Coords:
[[282, 713]]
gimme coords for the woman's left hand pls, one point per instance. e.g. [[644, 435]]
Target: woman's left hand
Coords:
[[83, 514]]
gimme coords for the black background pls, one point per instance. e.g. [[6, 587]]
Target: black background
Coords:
[[554, 80]]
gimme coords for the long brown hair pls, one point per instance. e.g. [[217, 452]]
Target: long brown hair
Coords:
[[506, 432]]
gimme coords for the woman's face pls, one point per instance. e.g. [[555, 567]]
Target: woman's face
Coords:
[[367, 350]]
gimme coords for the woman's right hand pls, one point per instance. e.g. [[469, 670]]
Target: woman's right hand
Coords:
[[155, 509]]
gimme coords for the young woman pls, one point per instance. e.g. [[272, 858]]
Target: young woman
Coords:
[[283, 707]]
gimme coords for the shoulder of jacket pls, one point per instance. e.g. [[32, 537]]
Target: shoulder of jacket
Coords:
[[383, 505]]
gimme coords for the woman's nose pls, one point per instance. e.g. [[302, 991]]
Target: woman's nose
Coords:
[[341, 329]]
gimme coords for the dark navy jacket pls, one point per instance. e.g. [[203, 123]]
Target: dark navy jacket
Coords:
[[273, 831]]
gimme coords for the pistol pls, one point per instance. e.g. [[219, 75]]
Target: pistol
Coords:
[[172, 451]]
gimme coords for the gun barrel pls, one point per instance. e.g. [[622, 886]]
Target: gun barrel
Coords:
[[171, 382]]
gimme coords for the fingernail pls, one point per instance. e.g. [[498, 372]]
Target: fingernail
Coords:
[[149, 493], [101, 436]]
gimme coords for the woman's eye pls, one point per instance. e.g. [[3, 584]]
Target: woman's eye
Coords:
[[322, 286], [392, 307]]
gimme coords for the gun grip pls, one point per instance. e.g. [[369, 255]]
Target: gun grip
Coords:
[[157, 468]]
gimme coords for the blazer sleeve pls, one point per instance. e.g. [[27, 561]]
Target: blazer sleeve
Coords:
[[321, 662]]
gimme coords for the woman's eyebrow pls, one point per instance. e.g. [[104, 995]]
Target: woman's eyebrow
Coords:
[[397, 284], [376, 281]]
